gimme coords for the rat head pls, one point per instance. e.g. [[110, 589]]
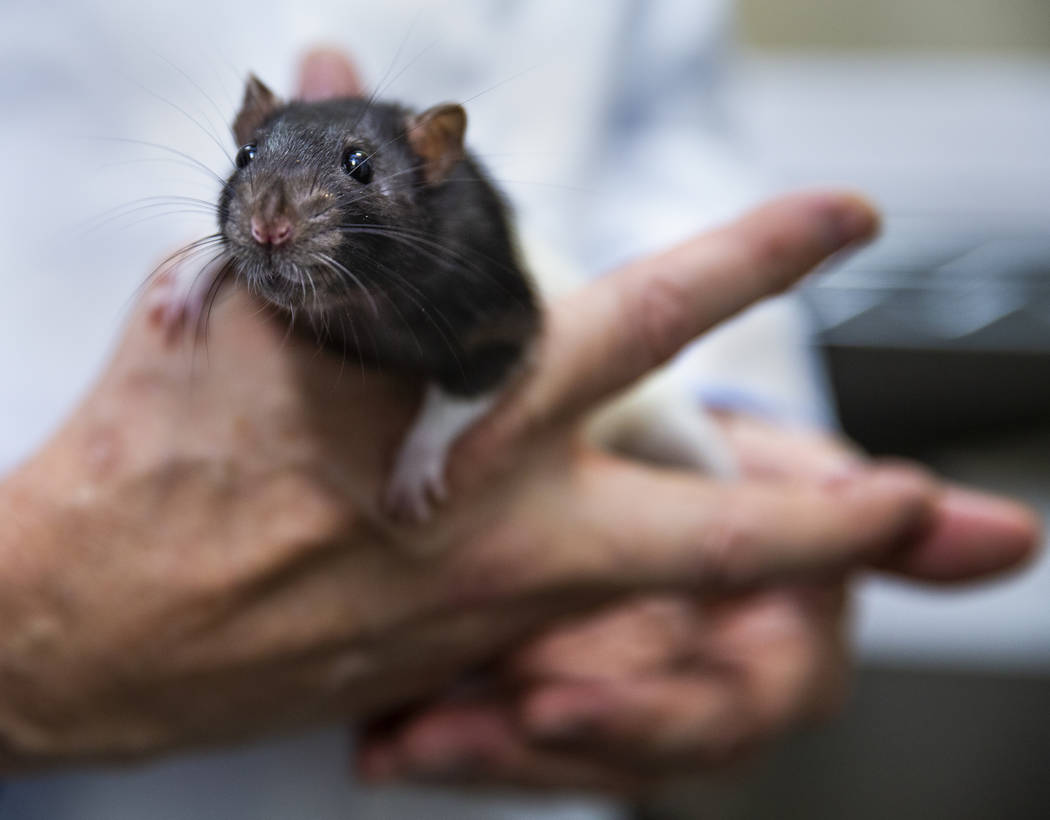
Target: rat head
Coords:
[[321, 191]]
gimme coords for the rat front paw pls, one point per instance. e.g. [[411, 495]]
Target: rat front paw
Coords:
[[175, 303], [417, 483]]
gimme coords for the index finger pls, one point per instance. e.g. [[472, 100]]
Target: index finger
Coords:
[[609, 334]]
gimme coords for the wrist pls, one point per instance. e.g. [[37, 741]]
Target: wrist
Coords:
[[28, 617]]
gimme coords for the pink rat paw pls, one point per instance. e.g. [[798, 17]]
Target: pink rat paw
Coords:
[[172, 308], [417, 482], [416, 485], [176, 301]]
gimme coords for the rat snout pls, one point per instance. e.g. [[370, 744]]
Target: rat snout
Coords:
[[274, 231], [273, 217]]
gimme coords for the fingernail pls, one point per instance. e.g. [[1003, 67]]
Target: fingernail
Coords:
[[975, 535], [994, 511], [852, 220]]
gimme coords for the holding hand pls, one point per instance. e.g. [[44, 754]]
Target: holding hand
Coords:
[[624, 698]]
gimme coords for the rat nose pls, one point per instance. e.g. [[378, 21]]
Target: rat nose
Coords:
[[273, 232]]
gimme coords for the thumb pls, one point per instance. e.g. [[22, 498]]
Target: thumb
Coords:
[[325, 73]]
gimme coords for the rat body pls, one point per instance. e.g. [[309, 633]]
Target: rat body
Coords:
[[375, 230]]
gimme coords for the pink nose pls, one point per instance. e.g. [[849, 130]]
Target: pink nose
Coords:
[[275, 232]]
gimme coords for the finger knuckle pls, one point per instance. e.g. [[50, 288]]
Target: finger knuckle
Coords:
[[660, 310], [773, 250], [730, 542]]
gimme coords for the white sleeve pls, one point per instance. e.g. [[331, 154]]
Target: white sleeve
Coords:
[[672, 147]]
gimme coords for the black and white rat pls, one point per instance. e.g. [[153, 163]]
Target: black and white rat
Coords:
[[375, 227]]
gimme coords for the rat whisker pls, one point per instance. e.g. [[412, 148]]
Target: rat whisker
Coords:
[[176, 257], [382, 88], [218, 280], [408, 131], [421, 243], [408, 287], [390, 67], [472, 258], [539, 183], [342, 358], [291, 323], [157, 201], [435, 250], [148, 160], [196, 85], [404, 320], [196, 162], [128, 225], [400, 280], [208, 133], [339, 267], [313, 288], [325, 318]]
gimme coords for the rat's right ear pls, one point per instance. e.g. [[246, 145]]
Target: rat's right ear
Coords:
[[259, 103]]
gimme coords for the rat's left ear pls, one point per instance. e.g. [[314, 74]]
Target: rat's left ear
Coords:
[[436, 136], [259, 103]]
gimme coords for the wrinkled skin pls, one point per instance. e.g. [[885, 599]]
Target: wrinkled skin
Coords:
[[674, 684], [196, 556]]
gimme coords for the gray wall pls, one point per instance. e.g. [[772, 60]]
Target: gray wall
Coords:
[[976, 26]]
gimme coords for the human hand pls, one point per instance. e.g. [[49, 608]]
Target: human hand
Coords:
[[623, 699], [197, 555]]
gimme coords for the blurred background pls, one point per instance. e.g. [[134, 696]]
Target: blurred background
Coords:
[[936, 340], [937, 343]]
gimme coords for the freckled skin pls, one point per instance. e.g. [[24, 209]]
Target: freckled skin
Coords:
[[400, 272]]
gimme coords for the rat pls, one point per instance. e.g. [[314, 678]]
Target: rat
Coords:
[[373, 226]]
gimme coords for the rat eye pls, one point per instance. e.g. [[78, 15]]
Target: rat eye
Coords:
[[357, 164], [245, 155]]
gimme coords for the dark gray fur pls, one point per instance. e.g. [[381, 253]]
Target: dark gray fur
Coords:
[[426, 278]]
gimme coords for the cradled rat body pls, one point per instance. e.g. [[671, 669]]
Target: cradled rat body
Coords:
[[376, 231]]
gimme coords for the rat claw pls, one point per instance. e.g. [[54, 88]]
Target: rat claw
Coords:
[[438, 489], [404, 504], [417, 485]]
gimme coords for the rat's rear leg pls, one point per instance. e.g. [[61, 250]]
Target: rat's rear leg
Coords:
[[660, 422], [418, 478]]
